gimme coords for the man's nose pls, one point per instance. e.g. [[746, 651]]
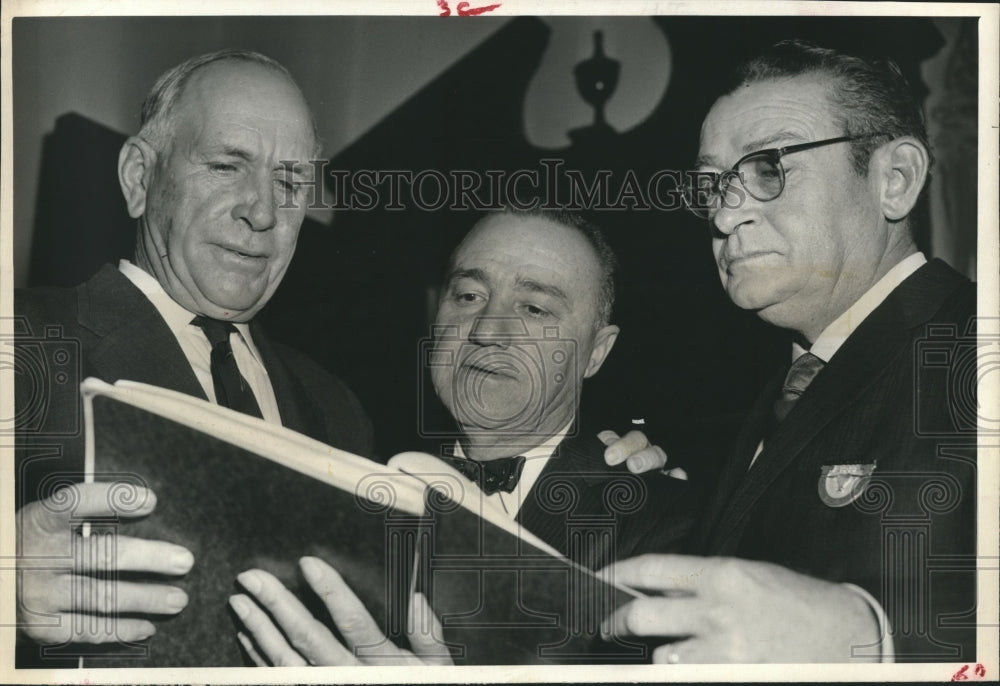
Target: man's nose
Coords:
[[258, 206], [497, 330], [737, 207]]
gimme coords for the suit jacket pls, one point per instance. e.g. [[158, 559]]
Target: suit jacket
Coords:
[[594, 515], [898, 397], [578, 500], [106, 328]]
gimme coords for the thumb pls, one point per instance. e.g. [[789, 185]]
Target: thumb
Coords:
[[86, 500], [607, 437]]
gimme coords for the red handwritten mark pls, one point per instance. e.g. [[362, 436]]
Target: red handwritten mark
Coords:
[[960, 675], [463, 9]]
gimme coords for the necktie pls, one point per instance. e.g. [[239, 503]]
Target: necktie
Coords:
[[231, 389], [501, 474], [803, 371]]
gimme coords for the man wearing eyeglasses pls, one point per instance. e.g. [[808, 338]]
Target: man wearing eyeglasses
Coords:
[[853, 478]]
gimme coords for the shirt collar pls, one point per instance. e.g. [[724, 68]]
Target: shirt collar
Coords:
[[176, 317], [834, 335], [544, 449]]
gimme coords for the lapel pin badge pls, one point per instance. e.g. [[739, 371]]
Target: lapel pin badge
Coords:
[[842, 484]]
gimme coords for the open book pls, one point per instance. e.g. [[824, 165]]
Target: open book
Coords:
[[241, 493]]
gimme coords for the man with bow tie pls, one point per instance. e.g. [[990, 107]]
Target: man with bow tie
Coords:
[[524, 317]]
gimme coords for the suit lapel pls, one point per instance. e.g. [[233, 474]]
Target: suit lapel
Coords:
[[288, 393], [735, 470], [134, 341], [857, 365], [583, 458]]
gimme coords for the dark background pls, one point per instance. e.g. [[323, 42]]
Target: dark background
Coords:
[[359, 294]]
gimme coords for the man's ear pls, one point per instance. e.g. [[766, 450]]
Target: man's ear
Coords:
[[604, 340], [135, 167], [902, 166]]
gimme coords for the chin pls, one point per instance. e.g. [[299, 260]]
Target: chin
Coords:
[[757, 293]]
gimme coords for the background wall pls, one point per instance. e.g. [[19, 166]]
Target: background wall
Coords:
[[489, 93]]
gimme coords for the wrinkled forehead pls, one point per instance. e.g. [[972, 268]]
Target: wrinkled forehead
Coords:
[[528, 243], [251, 101], [767, 114]]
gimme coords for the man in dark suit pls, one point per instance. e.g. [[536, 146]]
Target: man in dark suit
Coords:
[[523, 318], [854, 477], [218, 210]]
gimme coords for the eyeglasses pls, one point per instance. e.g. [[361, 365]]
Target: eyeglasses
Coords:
[[760, 173]]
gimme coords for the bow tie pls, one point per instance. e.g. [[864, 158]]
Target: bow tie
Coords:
[[500, 474]]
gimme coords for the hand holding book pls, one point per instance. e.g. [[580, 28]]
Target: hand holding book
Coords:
[[72, 579], [295, 637]]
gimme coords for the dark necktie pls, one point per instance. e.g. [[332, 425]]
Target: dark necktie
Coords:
[[231, 389], [501, 474], [804, 370]]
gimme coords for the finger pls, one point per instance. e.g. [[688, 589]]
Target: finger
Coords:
[[348, 612], [627, 445], [307, 635], [270, 640], [663, 572], [250, 650], [85, 500], [689, 651], [423, 631], [647, 459], [656, 616], [68, 627], [607, 437], [96, 552], [86, 594], [677, 473]]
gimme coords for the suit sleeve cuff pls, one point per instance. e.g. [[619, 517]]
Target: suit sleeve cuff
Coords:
[[887, 651]]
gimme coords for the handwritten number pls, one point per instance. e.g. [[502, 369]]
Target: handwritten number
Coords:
[[960, 675], [463, 9]]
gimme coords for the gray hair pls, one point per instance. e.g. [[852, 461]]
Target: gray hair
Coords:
[[157, 114], [871, 95]]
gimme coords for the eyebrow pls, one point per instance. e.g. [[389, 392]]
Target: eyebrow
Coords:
[[545, 288], [247, 156], [474, 274], [232, 151], [752, 146], [297, 168], [768, 141], [520, 283]]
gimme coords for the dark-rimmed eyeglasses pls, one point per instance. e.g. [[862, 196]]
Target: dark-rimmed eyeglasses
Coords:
[[760, 173]]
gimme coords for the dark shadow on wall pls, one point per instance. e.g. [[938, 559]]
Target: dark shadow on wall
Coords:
[[358, 296]]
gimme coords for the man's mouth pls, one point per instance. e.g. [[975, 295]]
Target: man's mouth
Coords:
[[494, 369], [243, 252], [731, 260]]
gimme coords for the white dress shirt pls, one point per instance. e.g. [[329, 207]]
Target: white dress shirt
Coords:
[[535, 460], [196, 348]]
